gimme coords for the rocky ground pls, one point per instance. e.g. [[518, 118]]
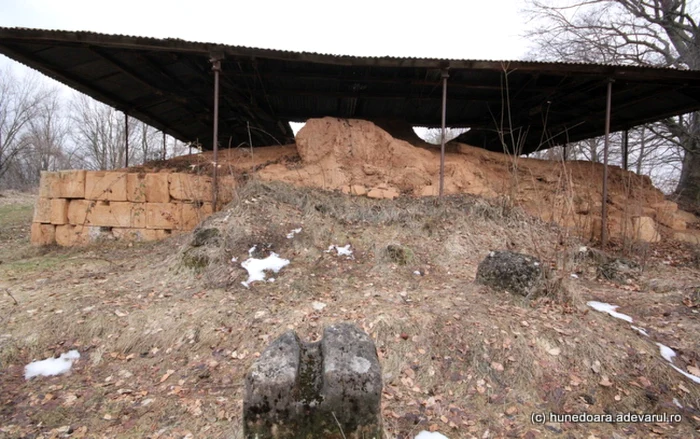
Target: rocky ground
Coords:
[[166, 331]]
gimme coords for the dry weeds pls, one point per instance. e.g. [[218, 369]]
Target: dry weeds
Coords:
[[165, 347]]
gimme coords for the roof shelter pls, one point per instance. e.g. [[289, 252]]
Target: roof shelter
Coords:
[[168, 84]]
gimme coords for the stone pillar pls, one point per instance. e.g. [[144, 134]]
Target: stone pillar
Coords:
[[329, 389]]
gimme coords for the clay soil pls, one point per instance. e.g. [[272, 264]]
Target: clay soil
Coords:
[[165, 345]]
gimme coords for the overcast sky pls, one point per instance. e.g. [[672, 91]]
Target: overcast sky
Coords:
[[437, 29]]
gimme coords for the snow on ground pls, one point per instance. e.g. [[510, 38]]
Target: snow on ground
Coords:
[[640, 330], [430, 435], [342, 251], [318, 306], [668, 355], [257, 267], [51, 366], [666, 352], [690, 376], [610, 309], [291, 234]]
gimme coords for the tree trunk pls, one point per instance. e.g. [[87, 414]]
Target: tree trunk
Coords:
[[688, 190]]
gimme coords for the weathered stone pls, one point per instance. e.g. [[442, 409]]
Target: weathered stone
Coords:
[[644, 229], [72, 184], [42, 210], [157, 188], [513, 272], [328, 389], [618, 270], [59, 211], [43, 234], [136, 188], [101, 185], [358, 189]]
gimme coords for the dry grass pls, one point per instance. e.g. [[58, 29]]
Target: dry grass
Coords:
[[452, 353]]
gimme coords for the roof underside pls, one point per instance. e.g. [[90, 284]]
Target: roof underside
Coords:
[[169, 84]]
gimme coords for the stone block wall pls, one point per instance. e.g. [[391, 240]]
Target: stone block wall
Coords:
[[77, 207]]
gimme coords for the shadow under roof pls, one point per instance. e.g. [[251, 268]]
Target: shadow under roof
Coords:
[[168, 83]]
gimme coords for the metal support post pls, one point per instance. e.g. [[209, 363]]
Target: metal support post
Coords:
[[604, 213], [445, 75], [216, 67], [625, 149]]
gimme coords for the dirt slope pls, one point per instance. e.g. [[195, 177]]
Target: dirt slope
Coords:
[[165, 342], [356, 156]]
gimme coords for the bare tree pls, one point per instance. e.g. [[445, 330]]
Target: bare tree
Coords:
[[20, 101], [636, 32], [99, 134]]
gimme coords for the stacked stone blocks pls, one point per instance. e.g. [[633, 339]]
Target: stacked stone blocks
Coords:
[[77, 207]]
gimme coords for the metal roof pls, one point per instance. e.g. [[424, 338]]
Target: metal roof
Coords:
[[168, 83]]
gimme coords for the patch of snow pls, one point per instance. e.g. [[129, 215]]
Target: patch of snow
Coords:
[[318, 306], [291, 234], [342, 251], [537, 264], [609, 309], [430, 435], [666, 352], [582, 249], [257, 267], [491, 254], [676, 403], [51, 366], [251, 250], [417, 273], [640, 330], [574, 275], [234, 259], [688, 375]]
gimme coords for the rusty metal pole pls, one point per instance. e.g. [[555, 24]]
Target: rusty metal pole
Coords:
[[165, 151], [625, 150], [604, 213], [126, 139], [216, 67], [445, 75]]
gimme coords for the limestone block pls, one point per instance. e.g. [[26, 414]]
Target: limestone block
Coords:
[[77, 211], [42, 210], [383, 191], [187, 187], [69, 235], [47, 186], [120, 214], [671, 220], [136, 188], [328, 389], [43, 234], [375, 193], [689, 236], [163, 215], [138, 215], [346, 189], [688, 217], [59, 211], [358, 189], [72, 184], [157, 188], [429, 191], [128, 234], [644, 229], [109, 186], [193, 214]]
